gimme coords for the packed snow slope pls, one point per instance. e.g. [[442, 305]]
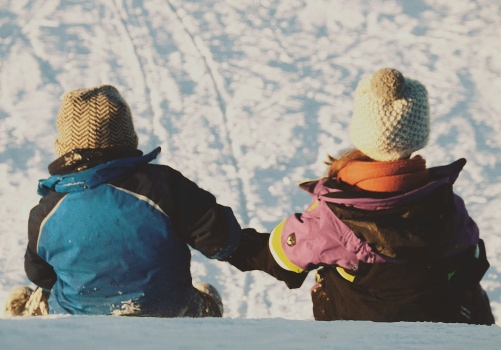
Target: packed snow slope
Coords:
[[246, 98], [125, 333]]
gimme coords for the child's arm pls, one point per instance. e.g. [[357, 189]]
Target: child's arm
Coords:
[[38, 270], [253, 253], [197, 218]]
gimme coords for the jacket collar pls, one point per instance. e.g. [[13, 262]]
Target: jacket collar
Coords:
[[332, 191], [85, 158], [94, 176]]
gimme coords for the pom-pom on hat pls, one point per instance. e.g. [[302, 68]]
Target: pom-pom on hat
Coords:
[[97, 117], [391, 116]]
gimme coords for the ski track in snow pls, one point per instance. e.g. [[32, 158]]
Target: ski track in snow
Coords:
[[246, 98], [221, 98], [157, 128]]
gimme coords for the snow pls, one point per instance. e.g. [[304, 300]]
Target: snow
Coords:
[[87, 332], [246, 98]]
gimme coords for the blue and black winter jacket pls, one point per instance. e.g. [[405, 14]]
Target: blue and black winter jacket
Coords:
[[112, 239]]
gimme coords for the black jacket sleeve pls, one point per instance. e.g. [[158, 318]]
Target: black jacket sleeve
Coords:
[[253, 253], [37, 269], [199, 220], [196, 217]]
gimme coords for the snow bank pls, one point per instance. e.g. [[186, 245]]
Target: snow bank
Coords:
[[147, 333]]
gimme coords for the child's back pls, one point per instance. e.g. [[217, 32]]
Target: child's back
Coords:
[[392, 241], [110, 235]]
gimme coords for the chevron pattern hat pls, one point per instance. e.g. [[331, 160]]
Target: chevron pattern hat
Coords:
[[97, 117], [391, 116]]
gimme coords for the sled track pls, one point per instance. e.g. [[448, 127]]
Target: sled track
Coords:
[[159, 131], [219, 90]]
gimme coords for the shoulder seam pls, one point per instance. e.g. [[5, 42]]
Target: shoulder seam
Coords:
[[141, 197], [47, 217]]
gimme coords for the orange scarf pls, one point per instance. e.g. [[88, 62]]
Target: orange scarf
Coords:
[[395, 176]]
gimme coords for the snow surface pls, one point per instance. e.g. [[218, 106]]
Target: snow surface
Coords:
[[126, 333], [246, 98]]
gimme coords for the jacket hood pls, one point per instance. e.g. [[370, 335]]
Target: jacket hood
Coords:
[[93, 177], [428, 222], [332, 192]]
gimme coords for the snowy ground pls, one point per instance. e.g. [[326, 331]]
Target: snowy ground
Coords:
[[83, 333], [246, 98]]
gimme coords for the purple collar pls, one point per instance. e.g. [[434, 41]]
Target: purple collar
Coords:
[[439, 176]]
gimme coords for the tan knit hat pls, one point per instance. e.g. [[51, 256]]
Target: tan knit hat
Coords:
[[97, 117], [391, 116]]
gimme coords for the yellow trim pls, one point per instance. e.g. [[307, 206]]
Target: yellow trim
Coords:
[[345, 274], [306, 181], [313, 206], [277, 251]]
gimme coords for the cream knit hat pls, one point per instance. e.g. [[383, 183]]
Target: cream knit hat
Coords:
[[391, 116], [97, 117]]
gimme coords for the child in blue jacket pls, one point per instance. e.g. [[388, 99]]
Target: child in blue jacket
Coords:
[[110, 235]]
